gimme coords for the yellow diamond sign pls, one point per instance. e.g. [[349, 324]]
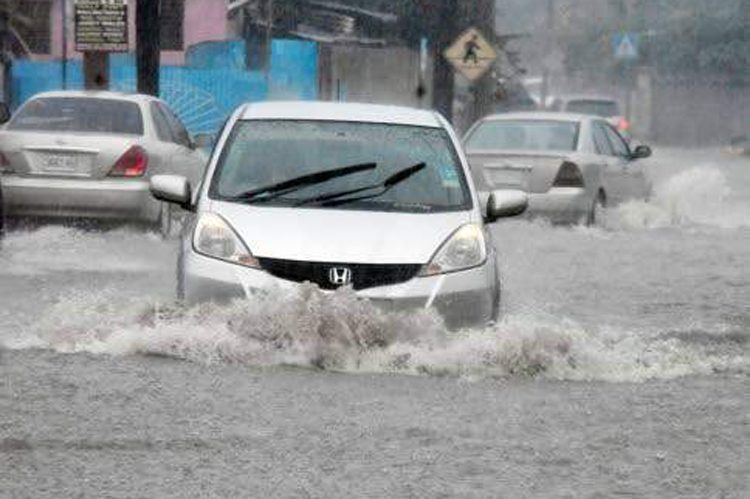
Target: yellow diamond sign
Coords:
[[471, 54]]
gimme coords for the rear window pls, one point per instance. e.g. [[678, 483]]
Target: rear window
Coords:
[[602, 108], [77, 114], [525, 135]]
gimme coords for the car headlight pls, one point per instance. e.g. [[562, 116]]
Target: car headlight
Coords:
[[215, 238], [464, 249]]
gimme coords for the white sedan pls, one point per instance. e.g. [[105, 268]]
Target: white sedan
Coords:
[[73, 154], [571, 165]]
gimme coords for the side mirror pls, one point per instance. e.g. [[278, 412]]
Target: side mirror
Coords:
[[506, 203], [4, 113], [172, 189], [640, 152], [203, 140]]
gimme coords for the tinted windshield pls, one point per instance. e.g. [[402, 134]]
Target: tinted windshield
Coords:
[[263, 153], [79, 114], [603, 108], [532, 135]]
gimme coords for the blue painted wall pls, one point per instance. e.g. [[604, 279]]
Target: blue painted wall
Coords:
[[204, 91]]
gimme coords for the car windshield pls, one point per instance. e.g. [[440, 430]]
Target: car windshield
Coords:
[[266, 153], [531, 135], [596, 107], [79, 114]]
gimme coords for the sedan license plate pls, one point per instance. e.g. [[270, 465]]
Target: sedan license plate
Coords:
[[64, 164], [512, 177]]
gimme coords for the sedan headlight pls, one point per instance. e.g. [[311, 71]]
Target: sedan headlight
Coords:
[[464, 249], [215, 238]]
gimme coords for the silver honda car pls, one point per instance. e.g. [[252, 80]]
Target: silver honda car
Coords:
[[377, 198]]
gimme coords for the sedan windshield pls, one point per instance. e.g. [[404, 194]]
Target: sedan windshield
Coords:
[[366, 166], [525, 135], [79, 114]]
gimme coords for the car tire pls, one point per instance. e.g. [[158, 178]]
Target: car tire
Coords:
[[597, 209]]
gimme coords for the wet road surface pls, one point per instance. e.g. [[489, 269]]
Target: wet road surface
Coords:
[[621, 368]]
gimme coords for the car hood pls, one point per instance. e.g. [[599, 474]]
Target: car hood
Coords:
[[330, 235]]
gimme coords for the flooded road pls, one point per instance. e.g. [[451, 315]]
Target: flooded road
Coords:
[[621, 367]]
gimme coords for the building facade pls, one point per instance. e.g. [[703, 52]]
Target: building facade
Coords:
[[38, 32]]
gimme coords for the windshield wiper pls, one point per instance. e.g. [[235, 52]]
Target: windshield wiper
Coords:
[[334, 198], [274, 191]]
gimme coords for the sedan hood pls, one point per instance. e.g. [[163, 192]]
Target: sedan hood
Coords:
[[329, 235]]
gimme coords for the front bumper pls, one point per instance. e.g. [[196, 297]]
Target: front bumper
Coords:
[[108, 199], [463, 299], [567, 205]]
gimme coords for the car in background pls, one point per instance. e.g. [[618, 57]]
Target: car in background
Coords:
[[377, 198], [82, 154], [571, 165], [604, 107], [740, 144]]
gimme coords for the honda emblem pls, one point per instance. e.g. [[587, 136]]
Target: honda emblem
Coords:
[[340, 276]]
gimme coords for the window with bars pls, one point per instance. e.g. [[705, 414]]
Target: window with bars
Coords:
[[30, 19]]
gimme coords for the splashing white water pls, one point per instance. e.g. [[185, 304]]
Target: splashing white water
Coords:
[[697, 196], [342, 333]]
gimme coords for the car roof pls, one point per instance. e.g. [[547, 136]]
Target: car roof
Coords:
[[340, 111], [588, 97], [98, 94], [539, 115]]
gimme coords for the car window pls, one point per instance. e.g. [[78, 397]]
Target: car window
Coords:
[[601, 142], [161, 124], [618, 143], [79, 114], [179, 132], [532, 135], [259, 153]]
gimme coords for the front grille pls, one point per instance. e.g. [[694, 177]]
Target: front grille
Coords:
[[363, 276]]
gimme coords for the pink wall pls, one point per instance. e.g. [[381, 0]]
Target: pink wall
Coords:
[[205, 20]]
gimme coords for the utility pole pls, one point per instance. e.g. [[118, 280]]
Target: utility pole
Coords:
[[269, 41], [64, 36], [443, 33], [4, 58], [547, 51], [148, 45]]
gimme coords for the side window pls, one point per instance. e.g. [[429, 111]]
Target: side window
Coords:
[[180, 134], [160, 122], [618, 144], [601, 142]]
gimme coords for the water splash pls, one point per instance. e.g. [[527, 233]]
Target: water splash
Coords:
[[696, 196], [339, 332]]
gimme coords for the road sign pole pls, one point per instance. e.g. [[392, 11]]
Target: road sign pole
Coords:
[[101, 27]]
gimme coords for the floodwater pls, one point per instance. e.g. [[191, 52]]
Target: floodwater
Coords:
[[621, 368]]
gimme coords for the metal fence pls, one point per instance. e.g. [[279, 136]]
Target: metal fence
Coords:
[[204, 92]]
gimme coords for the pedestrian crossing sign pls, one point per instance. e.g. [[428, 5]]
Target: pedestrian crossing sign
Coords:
[[471, 54], [625, 46]]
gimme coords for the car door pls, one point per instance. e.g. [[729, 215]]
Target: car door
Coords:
[[633, 175], [186, 159], [613, 166]]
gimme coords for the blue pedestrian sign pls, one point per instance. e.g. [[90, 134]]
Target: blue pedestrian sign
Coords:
[[625, 46]]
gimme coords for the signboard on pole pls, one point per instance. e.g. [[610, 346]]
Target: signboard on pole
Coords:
[[471, 54], [101, 25], [625, 46]]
